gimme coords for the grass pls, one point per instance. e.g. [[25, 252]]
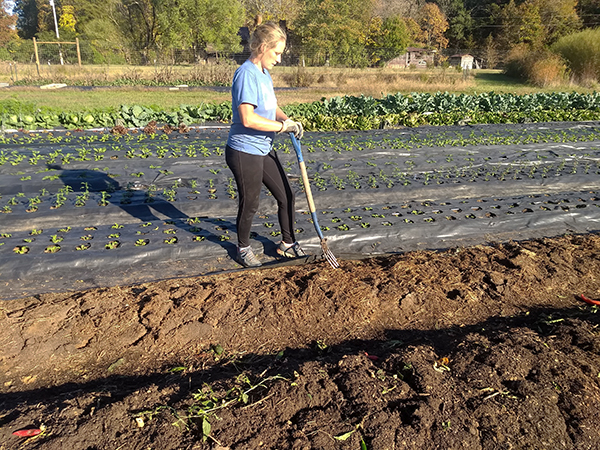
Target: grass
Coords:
[[319, 81]]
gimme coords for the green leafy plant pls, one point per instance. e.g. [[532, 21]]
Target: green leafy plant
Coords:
[[21, 249], [112, 245]]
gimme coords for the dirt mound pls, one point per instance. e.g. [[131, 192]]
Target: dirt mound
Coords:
[[485, 347]]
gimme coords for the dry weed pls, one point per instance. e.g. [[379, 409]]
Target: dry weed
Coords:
[[547, 72]]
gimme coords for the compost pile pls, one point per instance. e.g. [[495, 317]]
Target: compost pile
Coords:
[[456, 319]]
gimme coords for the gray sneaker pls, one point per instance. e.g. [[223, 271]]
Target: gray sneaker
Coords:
[[294, 251], [247, 258]]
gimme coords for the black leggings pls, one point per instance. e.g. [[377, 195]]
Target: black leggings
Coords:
[[251, 172]]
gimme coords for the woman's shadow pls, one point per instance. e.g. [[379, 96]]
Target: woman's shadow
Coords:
[[147, 209]]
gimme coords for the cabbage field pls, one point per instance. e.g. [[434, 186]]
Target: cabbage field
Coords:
[[339, 113]]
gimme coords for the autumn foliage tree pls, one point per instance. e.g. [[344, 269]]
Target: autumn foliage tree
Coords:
[[7, 24], [433, 25]]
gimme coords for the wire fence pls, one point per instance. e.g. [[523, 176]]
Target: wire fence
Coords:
[[359, 56]]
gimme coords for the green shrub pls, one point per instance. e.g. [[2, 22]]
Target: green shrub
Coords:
[[582, 53], [19, 50]]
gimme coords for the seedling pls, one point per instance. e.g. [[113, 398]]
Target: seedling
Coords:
[[231, 188], [112, 245]]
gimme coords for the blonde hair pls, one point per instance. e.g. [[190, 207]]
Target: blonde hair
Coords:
[[268, 34]]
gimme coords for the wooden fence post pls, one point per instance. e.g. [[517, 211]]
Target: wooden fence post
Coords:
[[78, 51], [37, 57]]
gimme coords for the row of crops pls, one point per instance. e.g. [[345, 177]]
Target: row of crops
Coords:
[[184, 174], [379, 220], [337, 113]]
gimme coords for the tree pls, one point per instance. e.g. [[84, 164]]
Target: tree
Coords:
[[202, 26], [398, 8], [461, 24], [490, 52], [536, 23], [335, 31], [7, 24], [559, 18], [589, 12], [216, 24], [433, 25], [35, 16], [530, 25], [273, 10], [27, 18], [138, 20], [86, 11], [414, 30], [388, 38], [67, 18]]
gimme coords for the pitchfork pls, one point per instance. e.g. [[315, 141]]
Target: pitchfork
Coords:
[[311, 204]]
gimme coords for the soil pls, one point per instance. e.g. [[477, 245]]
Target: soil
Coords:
[[486, 347]]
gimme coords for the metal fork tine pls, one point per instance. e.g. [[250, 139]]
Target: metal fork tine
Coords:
[[328, 255], [331, 260]]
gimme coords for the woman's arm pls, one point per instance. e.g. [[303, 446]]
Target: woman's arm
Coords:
[[280, 115], [252, 120]]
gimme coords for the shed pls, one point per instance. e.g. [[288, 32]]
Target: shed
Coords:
[[465, 61], [414, 56]]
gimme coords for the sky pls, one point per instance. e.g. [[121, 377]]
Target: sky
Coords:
[[9, 5]]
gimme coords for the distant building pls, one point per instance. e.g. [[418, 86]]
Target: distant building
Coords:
[[465, 61], [414, 56]]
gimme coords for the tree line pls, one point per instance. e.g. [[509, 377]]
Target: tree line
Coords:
[[338, 32]]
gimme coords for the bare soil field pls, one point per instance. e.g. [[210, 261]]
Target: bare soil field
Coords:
[[487, 347]]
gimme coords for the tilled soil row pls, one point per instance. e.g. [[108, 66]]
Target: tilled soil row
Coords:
[[481, 347]]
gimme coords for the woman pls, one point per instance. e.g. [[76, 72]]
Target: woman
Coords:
[[249, 152]]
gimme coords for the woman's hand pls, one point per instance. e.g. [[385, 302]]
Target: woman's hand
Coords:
[[289, 126]]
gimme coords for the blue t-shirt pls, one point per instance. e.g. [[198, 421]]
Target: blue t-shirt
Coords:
[[252, 86]]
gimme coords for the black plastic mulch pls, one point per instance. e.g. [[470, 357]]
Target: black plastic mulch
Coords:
[[87, 209]]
